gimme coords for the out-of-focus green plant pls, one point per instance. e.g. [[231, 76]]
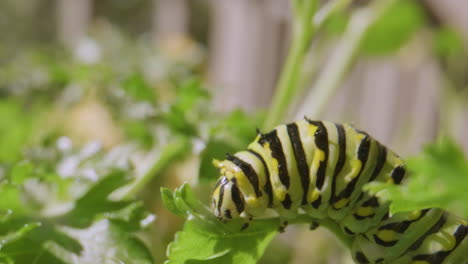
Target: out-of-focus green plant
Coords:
[[18, 127], [388, 34], [228, 135], [55, 208], [206, 240], [449, 48], [55, 201]]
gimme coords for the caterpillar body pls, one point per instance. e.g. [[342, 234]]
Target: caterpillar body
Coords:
[[318, 168]]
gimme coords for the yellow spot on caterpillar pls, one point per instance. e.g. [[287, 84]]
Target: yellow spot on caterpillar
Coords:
[[280, 193], [415, 215], [420, 262], [311, 129], [216, 192], [274, 162], [341, 203], [355, 169], [218, 164], [274, 165], [257, 138], [318, 157], [278, 187], [229, 174], [253, 202], [447, 241], [242, 180], [313, 196], [359, 136], [225, 168], [387, 235], [365, 211]]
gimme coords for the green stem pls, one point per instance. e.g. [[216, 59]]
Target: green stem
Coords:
[[450, 107], [341, 59], [329, 9], [316, 52], [170, 152], [306, 22], [288, 83], [332, 226]]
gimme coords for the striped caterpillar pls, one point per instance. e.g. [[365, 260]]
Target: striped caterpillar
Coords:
[[318, 168]]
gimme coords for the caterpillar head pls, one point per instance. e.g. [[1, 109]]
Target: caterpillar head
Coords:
[[228, 201]]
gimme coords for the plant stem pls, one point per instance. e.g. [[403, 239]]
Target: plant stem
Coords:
[[329, 9], [169, 152], [341, 59], [288, 83], [305, 23], [332, 226]]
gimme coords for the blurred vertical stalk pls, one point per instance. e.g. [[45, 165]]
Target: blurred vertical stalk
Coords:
[[306, 21], [452, 108], [170, 18], [159, 161], [303, 29], [341, 59], [245, 45], [331, 226], [73, 18]]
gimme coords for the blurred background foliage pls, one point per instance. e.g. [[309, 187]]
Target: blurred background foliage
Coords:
[[104, 102]]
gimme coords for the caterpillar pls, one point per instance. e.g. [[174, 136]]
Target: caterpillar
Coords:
[[318, 168]]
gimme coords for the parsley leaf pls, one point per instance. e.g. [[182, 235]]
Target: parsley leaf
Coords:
[[206, 240]]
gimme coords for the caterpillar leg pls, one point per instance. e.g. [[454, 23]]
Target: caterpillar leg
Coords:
[[314, 225], [283, 226], [247, 223]]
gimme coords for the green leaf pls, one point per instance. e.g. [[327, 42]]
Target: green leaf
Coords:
[[215, 149], [394, 28], [136, 87], [140, 131], [337, 23], [25, 244], [103, 242], [232, 134], [448, 42], [183, 202], [204, 239], [132, 218], [96, 201], [18, 234], [11, 200], [438, 177], [15, 134], [215, 242], [184, 111], [21, 172], [242, 125], [169, 201], [51, 239], [190, 93]]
